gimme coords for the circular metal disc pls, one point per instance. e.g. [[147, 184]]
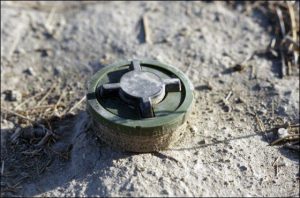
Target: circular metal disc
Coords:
[[141, 84]]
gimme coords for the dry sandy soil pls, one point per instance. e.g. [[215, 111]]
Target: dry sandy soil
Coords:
[[224, 152]]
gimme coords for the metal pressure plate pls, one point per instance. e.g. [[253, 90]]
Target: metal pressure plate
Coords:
[[139, 105]]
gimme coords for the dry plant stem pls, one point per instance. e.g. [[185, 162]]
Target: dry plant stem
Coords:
[[28, 99], [283, 33], [59, 100], [294, 125], [290, 136], [289, 39], [34, 152], [2, 167], [44, 140], [294, 28], [275, 162], [276, 170], [281, 21], [284, 71], [49, 21], [44, 167], [16, 135], [273, 109], [77, 104], [146, 29], [20, 181], [47, 94], [17, 114], [228, 96], [39, 108], [261, 126]]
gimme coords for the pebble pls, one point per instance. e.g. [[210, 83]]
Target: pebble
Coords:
[[282, 132], [202, 142], [193, 129], [12, 95], [243, 168], [29, 71]]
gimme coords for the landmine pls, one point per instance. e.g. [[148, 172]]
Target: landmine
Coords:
[[139, 106]]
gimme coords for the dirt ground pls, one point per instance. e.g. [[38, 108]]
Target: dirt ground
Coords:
[[49, 50]]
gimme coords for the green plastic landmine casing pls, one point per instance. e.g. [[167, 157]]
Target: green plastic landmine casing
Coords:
[[127, 122]]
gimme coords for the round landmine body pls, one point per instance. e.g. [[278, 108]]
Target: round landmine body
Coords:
[[139, 106]]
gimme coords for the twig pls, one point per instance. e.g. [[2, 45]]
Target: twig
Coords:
[[16, 135], [77, 104], [46, 95], [288, 38], [43, 141], [146, 29], [58, 101], [20, 181], [283, 32], [28, 99], [281, 21], [276, 170], [44, 167], [272, 113], [17, 114], [228, 96], [34, 152], [284, 138], [2, 167], [260, 123], [44, 107], [262, 126], [48, 23], [275, 165], [294, 125], [283, 65], [275, 161], [294, 29], [253, 72]]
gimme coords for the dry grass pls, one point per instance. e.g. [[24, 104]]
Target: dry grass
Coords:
[[283, 19], [39, 118]]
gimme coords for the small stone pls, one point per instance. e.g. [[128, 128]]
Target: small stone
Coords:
[[238, 100], [243, 168], [57, 71], [12, 95], [29, 71], [226, 108], [165, 192], [282, 132], [193, 129], [202, 142], [262, 112]]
